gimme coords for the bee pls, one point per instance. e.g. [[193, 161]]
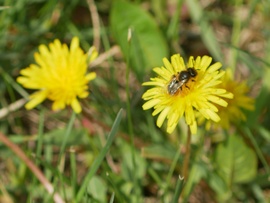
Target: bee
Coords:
[[180, 79]]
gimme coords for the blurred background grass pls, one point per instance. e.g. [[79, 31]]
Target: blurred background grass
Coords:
[[143, 163]]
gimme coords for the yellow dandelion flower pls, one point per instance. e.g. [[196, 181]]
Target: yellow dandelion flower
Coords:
[[180, 91], [233, 113], [59, 75]]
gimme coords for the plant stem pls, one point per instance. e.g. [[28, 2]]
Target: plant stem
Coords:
[[187, 156], [95, 22], [30, 164], [186, 161], [129, 117]]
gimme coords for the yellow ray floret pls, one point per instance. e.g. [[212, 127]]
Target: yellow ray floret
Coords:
[[60, 75], [233, 113], [197, 93]]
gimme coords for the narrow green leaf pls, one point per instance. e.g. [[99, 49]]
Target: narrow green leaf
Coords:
[[100, 157], [207, 33], [112, 198], [258, 150], [158, 151], [236, 162], [4, 7], [66, 135], [147, 46], [178, 189], [73, 176], [197, 172]]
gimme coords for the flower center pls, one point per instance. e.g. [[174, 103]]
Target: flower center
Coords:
[[64, 87], [187, 87]]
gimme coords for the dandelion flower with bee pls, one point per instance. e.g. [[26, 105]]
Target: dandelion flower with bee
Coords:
[[60, 75], [233, 113], [181, 90]]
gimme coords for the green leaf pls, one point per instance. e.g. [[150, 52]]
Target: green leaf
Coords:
[[100, 157], [159, 151], [97, 189], [178, 189], [127, 163], [147, 46], [236, 162], [197, 172], [219, 186]]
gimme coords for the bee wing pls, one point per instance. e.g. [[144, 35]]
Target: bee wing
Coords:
[[174, 86]]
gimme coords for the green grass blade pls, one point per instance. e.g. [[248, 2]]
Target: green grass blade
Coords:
[[236, 30], [4, 7], [66, 136], [40, 133], [112, 198], [258, 150], [73, 172], [172, 168], [207, 33], [14, 84], [178, 189], [100, 157]]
